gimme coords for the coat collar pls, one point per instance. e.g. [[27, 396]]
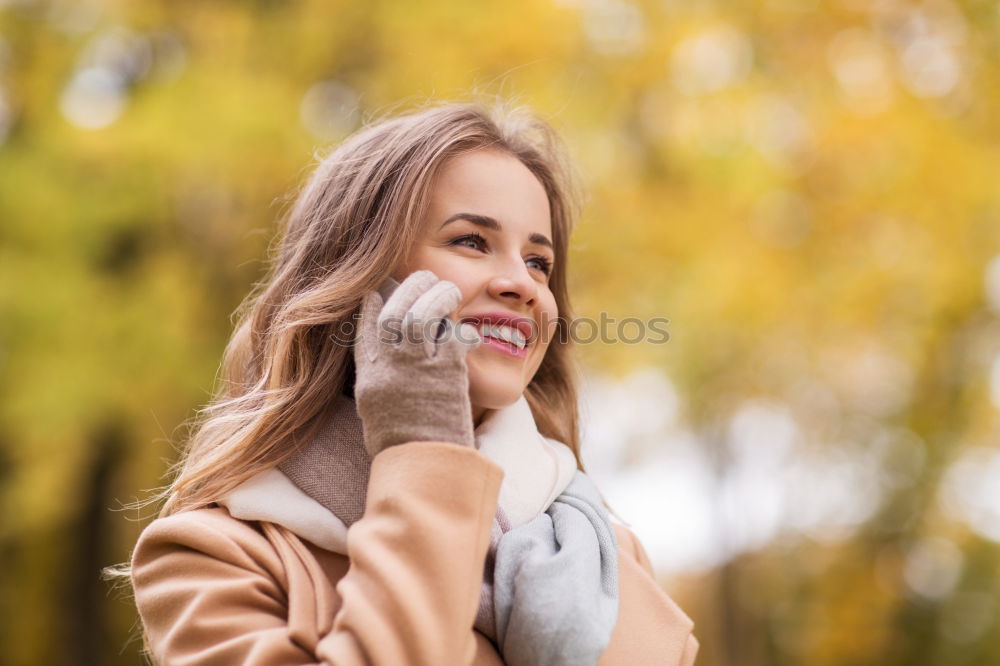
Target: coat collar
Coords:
[[536, 470]]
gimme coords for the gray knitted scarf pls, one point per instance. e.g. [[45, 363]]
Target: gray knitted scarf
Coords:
[[550, 585]]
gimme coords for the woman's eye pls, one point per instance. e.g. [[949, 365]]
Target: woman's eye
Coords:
[[544, 264], [474, 241]]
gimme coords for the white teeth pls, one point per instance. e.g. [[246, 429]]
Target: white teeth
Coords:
[[505, 333]]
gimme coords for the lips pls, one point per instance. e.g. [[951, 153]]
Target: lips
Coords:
[[523, 325]]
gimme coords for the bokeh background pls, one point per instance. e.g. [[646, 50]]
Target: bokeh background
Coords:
[[807, 189]]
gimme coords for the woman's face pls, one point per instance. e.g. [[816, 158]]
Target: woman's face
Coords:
[[488, 229]]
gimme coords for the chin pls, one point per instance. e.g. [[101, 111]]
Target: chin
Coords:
[[493, 394]]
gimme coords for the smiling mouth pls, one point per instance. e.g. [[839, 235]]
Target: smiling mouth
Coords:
[[504, 347], [503, 332]]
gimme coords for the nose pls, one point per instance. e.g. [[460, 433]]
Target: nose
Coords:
[[513, 283]]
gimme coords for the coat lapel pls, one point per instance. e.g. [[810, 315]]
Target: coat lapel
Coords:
[[651, 628]]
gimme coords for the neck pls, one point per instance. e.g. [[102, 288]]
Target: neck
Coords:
[[477, 415]]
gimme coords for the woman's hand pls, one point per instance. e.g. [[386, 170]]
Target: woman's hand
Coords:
[[412, 381]]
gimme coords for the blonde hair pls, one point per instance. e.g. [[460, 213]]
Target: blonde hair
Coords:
[[350, 226]]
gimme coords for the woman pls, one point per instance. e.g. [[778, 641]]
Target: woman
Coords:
[[391, 474]]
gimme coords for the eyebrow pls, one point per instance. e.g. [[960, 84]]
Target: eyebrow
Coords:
[[490, 223]]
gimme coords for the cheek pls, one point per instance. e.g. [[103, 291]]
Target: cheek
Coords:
[[448, 268], [550, 317], [443, 266], [468, 290], [549, 325]]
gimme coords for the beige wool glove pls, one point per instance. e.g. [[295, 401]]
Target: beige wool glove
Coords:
[[412, 382]]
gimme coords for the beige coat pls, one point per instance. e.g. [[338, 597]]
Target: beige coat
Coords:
[[213, 589]]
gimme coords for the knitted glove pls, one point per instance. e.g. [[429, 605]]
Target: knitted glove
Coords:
[[412, 381]]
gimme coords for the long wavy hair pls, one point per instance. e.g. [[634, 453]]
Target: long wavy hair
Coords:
[[351, 225]]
